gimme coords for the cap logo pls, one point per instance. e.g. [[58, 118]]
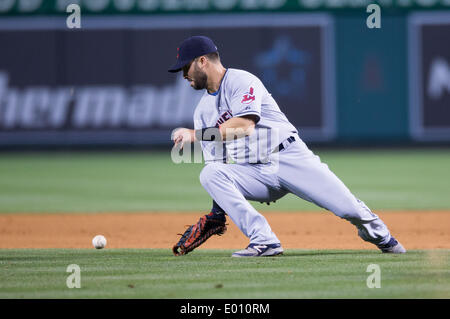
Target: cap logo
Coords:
[[178, 53]]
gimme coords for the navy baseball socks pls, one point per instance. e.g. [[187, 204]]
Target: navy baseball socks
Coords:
[[217, 210], [217, 213]]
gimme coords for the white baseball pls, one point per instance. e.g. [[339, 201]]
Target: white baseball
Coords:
[[99, 242]]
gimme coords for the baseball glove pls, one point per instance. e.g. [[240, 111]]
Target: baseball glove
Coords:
[[195, 235]]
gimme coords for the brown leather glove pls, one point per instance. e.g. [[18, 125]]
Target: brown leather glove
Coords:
[[195, 235]]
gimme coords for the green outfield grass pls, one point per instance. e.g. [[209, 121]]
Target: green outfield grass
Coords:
[[132, 273], [149, 181]]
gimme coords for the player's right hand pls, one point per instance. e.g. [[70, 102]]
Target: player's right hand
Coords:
[[183, 135]]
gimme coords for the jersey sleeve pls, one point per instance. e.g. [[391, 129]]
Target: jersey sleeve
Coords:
[[246, 99]]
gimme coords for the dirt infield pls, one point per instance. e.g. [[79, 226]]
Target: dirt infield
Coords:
[[317, 230]]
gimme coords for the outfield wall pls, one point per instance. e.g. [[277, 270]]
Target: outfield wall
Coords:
[[337, 80]]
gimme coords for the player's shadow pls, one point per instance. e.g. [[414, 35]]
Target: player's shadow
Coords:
[[306, 253]]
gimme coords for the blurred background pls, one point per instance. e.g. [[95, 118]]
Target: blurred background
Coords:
[[373, 102]]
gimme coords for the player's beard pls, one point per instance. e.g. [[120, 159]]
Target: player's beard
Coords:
[[200, 79]]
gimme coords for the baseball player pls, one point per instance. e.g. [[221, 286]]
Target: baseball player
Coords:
[[233, 116]]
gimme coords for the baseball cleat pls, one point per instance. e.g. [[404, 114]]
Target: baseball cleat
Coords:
[[259, 250], [392, 247]]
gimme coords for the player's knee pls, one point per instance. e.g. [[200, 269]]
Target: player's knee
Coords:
[[209, 173]]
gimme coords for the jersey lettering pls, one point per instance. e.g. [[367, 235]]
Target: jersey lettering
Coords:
[[224, 117]]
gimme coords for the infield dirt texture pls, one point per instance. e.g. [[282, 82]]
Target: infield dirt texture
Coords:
[[314, 230], [53, 204]]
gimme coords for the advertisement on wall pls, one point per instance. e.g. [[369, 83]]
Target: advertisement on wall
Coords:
[[107, 83], [430, 76], [23, 7]]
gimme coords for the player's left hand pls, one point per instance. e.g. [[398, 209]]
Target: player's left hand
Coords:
[[197, 234]]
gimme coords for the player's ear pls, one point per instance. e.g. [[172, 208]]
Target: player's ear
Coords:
[[202, 60]]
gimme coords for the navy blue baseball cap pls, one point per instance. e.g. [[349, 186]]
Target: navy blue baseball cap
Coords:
[[192, 48]]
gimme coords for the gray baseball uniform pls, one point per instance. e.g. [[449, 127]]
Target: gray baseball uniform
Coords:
[[262, 173]]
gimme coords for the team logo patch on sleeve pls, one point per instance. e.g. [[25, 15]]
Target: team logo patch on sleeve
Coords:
[[248, 97]]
